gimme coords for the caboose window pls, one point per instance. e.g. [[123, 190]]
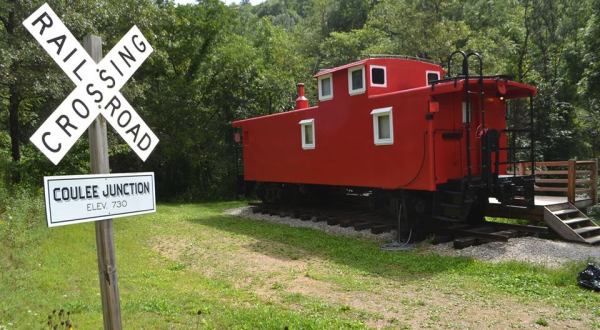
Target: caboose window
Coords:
[[356, 80], [432, 76], [307, 132], [383, 126], [325, 87], [378, 76]]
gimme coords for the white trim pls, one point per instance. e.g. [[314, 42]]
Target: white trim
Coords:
[[376, 114], [427, 75], [303, 123], [364, 87], [320, 82], [381, 110], [371, 67]]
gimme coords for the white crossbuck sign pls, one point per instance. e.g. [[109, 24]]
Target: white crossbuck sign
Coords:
[[97, 88]]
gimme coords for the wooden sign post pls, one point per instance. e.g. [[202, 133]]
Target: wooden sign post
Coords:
[[105, 245], [95, 100]]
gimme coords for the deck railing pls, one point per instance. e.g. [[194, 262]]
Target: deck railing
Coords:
[[575, 179]]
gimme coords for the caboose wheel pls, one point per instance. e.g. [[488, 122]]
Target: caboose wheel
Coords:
[[415, 221], [260, 191], [477, 212], [269, 193], [419, 207]]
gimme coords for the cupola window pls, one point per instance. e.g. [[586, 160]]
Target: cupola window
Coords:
[[432, 76], [378, 78], [325, 87], [356, 80]]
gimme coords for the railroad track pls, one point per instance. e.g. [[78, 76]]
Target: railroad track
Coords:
[[355, 218], [462, 235]]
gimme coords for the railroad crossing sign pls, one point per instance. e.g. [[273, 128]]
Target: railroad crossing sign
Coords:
[[97, 82], [97, 88]]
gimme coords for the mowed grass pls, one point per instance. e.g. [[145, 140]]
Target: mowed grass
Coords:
[[253, 275]]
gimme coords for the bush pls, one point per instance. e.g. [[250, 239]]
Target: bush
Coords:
[[21, 211], [594, 213]]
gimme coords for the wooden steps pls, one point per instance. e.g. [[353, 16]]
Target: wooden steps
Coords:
[[451, 204], [571, 224]]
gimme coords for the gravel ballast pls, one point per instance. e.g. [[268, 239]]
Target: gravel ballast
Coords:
[[534, 250]]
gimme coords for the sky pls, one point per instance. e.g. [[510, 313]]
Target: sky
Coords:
[[254, 2]]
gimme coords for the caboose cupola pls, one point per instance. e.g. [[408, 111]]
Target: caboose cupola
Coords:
[[374, 76]]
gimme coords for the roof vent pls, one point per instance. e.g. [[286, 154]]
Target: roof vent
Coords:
[[301, 101]]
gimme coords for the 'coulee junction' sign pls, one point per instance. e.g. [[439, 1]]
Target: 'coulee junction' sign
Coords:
[[81, 198]]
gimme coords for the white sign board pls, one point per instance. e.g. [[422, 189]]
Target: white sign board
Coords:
[[74, 199], [97, 87]]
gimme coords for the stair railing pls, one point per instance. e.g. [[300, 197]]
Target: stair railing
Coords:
[[585, 174]]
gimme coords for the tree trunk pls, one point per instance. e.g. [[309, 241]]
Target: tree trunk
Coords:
[[14, 99], [524, 47], [15, 128]]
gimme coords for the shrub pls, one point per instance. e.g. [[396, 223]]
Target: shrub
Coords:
[[21, 211], [594, 213]]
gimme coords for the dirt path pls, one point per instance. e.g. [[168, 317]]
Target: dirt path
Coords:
[[390, 304]]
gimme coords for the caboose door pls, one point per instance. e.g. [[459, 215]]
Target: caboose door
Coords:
[[448, 139]]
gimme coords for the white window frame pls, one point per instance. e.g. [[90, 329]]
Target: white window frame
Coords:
[[364, 87], [376, 113], [320, 82], [371, 67], [303, 123], [427, 76]]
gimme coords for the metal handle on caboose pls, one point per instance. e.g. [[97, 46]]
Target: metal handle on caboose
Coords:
[[465, 64]]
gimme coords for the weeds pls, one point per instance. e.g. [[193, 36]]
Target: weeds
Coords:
[[60, 320], [199, 319], [176, 267], [20, 212]]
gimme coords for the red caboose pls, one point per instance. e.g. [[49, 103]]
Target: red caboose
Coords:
[[395, 124]]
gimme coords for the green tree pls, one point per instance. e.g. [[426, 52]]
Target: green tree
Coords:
[[589, 84]]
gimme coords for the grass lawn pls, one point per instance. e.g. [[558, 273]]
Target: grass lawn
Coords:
[[248, 274]]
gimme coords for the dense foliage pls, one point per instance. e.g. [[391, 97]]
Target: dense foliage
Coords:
[[215, 63]]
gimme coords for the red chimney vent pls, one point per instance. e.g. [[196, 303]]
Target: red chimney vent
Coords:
[[301, 101]]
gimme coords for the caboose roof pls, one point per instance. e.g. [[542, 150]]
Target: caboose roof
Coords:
[[371, 57], [337, 68]]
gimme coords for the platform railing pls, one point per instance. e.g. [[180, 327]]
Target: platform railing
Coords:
[[575, 179]]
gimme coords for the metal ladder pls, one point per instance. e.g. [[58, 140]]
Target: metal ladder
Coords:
[[468, 107]]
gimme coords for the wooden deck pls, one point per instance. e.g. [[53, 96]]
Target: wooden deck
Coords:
[[552, 200], [535, 214], [556, 182]]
